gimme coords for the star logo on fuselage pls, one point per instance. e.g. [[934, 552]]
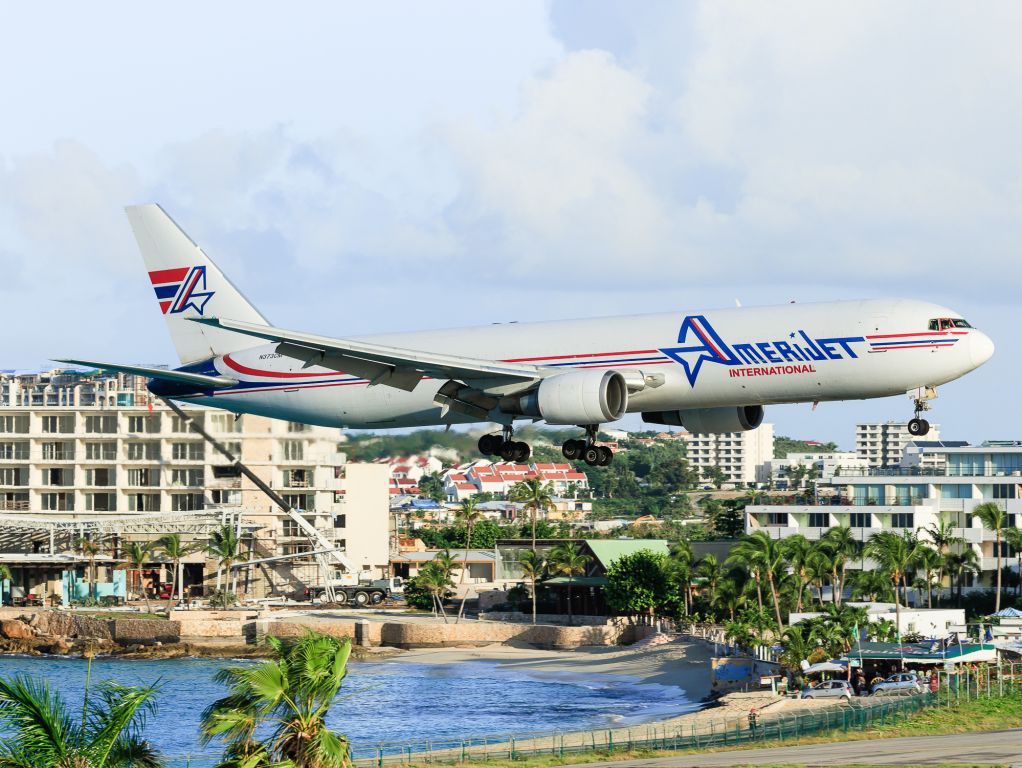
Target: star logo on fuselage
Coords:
[[700, 343]]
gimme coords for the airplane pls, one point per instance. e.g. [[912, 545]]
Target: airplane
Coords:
[[710, 371]]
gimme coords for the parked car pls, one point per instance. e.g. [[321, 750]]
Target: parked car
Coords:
[[901, 683], [829, 689]]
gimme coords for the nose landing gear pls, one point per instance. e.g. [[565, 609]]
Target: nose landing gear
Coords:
[[502, 445], [587, 450], [918, 426]]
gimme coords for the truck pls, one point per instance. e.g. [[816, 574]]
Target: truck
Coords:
[[350, 590]]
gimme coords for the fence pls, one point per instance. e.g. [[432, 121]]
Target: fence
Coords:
[[969, 683]]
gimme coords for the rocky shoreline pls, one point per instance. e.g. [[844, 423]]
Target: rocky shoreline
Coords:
[[59, 633]]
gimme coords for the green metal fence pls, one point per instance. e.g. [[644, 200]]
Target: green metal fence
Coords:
[[968, 683]]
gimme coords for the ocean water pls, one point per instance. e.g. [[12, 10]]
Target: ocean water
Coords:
[[394, 704]]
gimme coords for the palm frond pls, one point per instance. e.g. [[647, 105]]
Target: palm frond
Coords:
[[38, 718]]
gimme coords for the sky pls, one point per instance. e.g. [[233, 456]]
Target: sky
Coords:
[[372, 167]]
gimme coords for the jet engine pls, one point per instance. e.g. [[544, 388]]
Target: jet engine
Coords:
[[710, 420], [574, 397]]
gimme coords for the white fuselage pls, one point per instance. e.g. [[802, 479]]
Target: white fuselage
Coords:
[[715, 358]]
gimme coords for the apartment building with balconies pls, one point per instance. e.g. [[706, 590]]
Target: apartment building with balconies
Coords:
[[938, 482], [82, 447]]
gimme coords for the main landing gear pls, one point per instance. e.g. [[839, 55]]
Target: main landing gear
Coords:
[[502, 445], [587, 450]]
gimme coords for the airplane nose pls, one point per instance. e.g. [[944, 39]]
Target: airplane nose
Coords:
[[981, 348]]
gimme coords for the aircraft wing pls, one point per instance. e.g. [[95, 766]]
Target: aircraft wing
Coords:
[[382, 364], [178, 377]]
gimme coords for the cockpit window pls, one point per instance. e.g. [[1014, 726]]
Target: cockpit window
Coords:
[[947, 323]]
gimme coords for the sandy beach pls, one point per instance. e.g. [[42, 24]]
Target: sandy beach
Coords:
[[681, 665], [685, 666]]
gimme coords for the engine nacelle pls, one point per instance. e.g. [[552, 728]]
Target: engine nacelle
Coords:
[[575, 397], [710, 420]]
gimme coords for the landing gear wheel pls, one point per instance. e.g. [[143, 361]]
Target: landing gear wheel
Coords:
[[591, 456], [573, 449], [606, 456], [508, 451], [489, 444], [918, 427], [522, 451]]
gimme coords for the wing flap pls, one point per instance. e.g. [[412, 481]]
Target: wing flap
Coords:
[[381, 364], [178, 377]]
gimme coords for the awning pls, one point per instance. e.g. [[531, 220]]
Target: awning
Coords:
[[578, 581], [923, 653]]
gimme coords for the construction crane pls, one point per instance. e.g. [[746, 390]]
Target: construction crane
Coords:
[[326, 555]]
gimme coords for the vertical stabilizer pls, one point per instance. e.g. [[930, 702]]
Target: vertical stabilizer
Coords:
[[188, 284]]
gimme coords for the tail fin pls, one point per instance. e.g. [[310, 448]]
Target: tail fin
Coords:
[[188, 285]]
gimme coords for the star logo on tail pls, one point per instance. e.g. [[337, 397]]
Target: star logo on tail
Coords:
[[181, 289]]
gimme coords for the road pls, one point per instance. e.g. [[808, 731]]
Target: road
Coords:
[[1001, 747]]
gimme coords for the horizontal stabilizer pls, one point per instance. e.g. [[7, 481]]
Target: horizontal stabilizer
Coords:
[[178, 377]]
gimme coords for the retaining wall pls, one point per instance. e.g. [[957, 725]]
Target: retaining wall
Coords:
[[146, 631]]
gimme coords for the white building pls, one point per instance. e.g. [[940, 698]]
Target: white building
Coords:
[[742, 456], [883, 444], [934, 623], [823, 467], [84, 448], [941, 482]]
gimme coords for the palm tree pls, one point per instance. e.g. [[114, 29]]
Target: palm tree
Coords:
[[728, 596], [172, 548], [871, 585], [40, 729], [929, 560], [843, 545], [710, 569], [942, 534], [993, 519], [762, 554], [533, 566], [682, 555], [797, 550], [437, 579], [895, 554], [569, 560], [225, 546], [1014, 538], [138, 554], [819, 565], [90, 549], [275, 713], [468, 516], [536, 495], [959, 564]]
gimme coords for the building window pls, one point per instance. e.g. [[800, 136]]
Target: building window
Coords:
[[294, 450], [143, 477], [138, 451], [57, 476], [860, 520], [290, 528], [340, 521], [224, 422], [903, 520], [106, 425], [776, 518], [100, 476], [956, 491], [295, 426], [101, 451], [143, 502], [186, 502], [1004, 491], [14, 425], [17, 451], [12, 476], [59, 424], [819, 520], [58, 502], [101, 502], [190, 478], [225, 496], [147, 424], [188, 451]]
